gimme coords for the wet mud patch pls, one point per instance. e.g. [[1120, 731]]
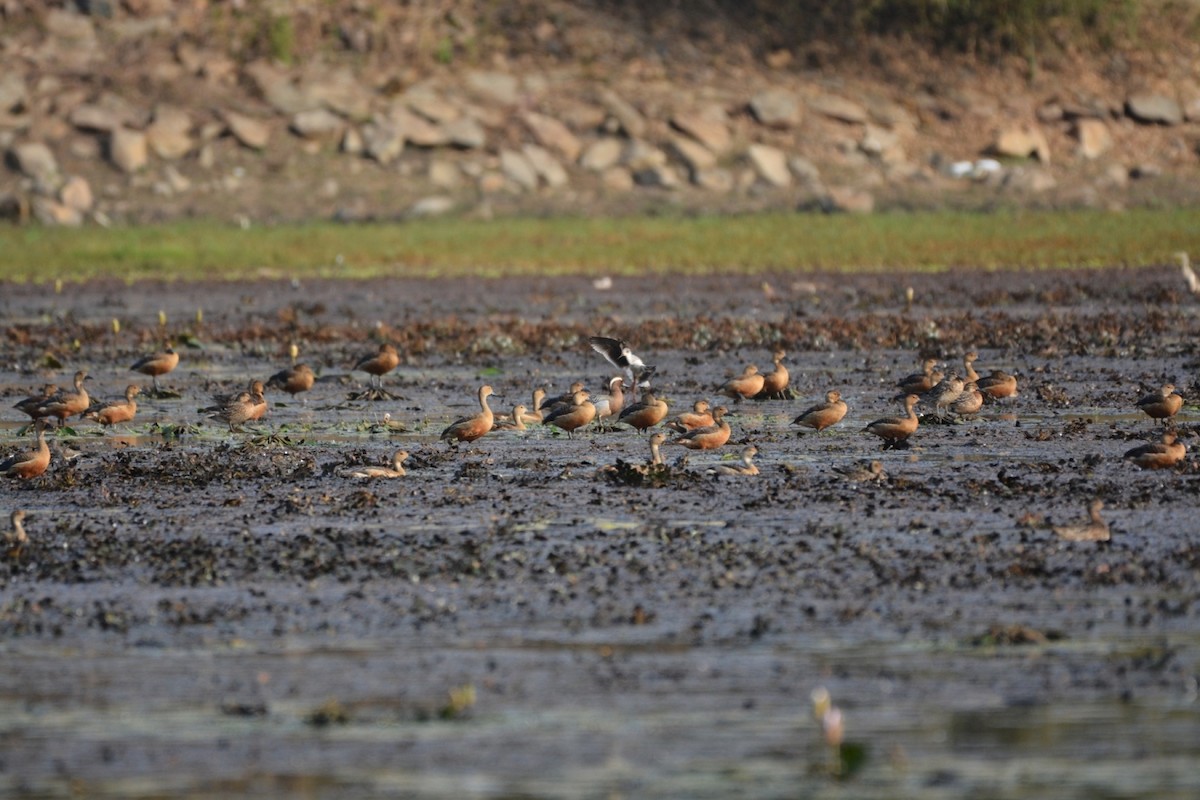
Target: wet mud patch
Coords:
[[201, 611]]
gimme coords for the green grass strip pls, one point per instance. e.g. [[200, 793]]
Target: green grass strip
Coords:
[[623, 246]]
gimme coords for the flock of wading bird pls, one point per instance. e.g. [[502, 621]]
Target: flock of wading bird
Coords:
[[704, 427]]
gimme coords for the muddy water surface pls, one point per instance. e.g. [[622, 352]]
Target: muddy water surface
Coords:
[[212, 613]]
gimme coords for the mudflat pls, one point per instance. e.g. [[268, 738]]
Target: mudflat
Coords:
[[200, 612]]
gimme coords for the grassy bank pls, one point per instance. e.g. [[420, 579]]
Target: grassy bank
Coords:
[[751, 244]]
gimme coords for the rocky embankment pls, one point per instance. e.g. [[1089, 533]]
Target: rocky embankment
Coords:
[[146, 110]]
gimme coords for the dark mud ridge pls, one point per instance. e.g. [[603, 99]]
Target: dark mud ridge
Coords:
[[200, 612]]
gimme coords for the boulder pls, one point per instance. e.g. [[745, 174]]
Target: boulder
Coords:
[[128, 149], [444, 174], [35, 160], [89, 117], [317, 123], [169, 134], [431, 105], [661, 177], [76, 193], [617, 179], [498, 88], [1033, 180], [839, 108], [277, 88], [1022, 141], [12, 92], [415, 129], [1094, 138], [554, 135], [640, 155], [434, 206], [382, 141], [707, 127], [848, 200], [629, 120], [714, 179], [771, 164], [51, 212], [465, 133], [1151, 107], [517, 168], [546, 166], [341, 93], [601, 155], [776, 108], [251, 132], [695, 156]]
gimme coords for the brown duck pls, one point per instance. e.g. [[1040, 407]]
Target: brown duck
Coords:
[[117, 411], [66, 404], [514, 422], [32, 405], [748, 384], [998, 385], [823, 415], [709, 437], [646, 413], [157, 364], [1159, 455], [1163, 404], [293, 380], [969, 402], [1094, 530], [746, 467], [31, 463], [237, 412], [609, 407], [572, 416], [921, 382], [15, 539], [394, 471], [894, 430], [698, 417], [775, 383], [380, 364], [468, 429]]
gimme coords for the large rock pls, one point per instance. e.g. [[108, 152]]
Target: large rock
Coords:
[[496, 87], [517, 168], [415, 129], [660, 177], [1094, 138], [76, 193], [465, 132], [1022, 141], [51, 212], [695, 156], [629, 120], [318, 123], [708, 127], [444, 174], [128, 149], [382, 141], [848, 200], [12, 92], [554, 135], [1034, 180], [432, 106], [546, 165], [771, 164], [601, 154], [35, 160], [839, 108], [278, 89], [1154, 108], [776, 108], [714, 179], [88, 117], [71, 28], [251, 132], [341, 93], [641, 155], [169, 135], [617, 179]]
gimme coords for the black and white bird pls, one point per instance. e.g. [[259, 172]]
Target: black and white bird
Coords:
[[637, 372]]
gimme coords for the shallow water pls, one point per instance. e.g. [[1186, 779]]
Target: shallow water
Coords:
[[191, 609]]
